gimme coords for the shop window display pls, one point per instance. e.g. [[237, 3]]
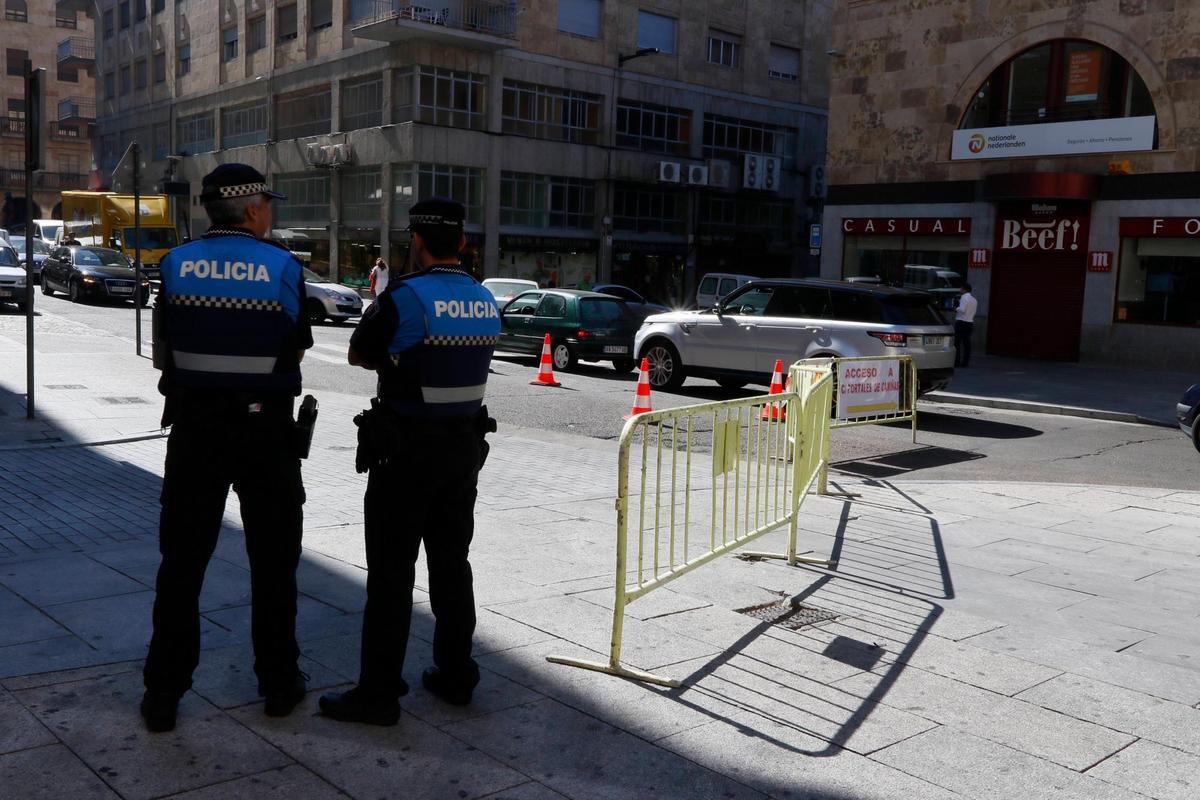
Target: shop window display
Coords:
[[1159, 282]]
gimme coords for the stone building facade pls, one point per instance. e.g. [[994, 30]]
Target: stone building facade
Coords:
[[576, 162], [1005, 119], [60, 41]]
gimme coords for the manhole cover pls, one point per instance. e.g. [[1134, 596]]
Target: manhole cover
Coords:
[[123, 401], [788, 615], [64, 386]]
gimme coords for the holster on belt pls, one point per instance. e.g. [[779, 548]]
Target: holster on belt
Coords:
[[384, 436]]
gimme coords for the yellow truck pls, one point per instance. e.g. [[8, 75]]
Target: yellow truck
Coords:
[[105, 219]]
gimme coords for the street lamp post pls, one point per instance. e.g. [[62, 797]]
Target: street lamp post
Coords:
[[610, 191]]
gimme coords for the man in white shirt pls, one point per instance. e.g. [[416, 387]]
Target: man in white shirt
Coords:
[[379, 277], [964, 326]]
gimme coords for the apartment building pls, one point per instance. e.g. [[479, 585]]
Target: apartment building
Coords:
[[52, 38], [589, 139], [1048, 152]]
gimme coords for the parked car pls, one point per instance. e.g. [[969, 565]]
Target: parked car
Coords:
[[636, 302], [40, 251], [940, 282], [582, 325], [716, 285], [505, 289], [328, 300], [12, 278], [44, 229], [1188, 412], [91, 273], [790, 319]]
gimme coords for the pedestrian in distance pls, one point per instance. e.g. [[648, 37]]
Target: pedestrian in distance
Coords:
[[430, 338], [379, 278], [964, 326], [230, 333]]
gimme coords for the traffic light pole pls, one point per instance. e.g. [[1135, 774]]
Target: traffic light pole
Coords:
[[137, 246]]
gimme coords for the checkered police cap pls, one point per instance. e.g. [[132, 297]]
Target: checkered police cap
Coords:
[[434, 212], [229, 181]]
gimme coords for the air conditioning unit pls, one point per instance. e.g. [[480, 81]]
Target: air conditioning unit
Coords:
[[668, 171], [341, 154], [761, 172], [772, 173], [720, 173], [317, 155], [697, 175]]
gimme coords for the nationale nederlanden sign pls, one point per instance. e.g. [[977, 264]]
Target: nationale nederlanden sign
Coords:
[[1122, 135]]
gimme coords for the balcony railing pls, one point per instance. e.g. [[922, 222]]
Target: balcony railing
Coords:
[[76, 51], [10, 126], [43, 181], [77, 109], [462, 21]]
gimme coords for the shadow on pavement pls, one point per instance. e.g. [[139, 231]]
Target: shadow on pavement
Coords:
[[978, 427], [905, 461]]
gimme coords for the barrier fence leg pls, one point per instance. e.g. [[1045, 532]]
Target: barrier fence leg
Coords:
[[913, 379]]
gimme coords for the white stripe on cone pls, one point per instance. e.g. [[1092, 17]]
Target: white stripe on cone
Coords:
[[641, 400], [545, 376]]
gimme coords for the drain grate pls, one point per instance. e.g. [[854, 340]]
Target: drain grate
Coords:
[[64, 386], [786, 614], [123, 401]]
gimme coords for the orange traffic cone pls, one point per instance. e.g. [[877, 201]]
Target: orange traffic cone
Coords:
[[545, 376], [641, 401], [776, 411]]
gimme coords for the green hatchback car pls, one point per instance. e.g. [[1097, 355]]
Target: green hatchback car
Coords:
[[582, 325]]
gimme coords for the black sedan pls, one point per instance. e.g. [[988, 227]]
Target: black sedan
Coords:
[[91, 273], [1188, 412], [636, 302]]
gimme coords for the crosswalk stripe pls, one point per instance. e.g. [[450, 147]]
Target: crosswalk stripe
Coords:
[[322, 357]]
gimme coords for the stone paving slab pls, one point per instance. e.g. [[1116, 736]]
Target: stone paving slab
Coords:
[[1153, 770], [50, 773]]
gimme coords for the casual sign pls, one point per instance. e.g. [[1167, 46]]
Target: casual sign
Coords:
[[1120, 135], [907, 226], [868, 388]]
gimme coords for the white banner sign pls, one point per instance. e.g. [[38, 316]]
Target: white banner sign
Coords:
[[1055, 139], [867, 388]]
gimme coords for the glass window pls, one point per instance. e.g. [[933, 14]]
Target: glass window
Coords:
[[109, 25], [366, 9], [110, 85], [195, 134], [727, 286], [140, 74], [581, 17], [285, 23], [724, 49], [730, 137], [552, 305], [125, 82], [856, 307], [320, 12], [750, 303], [256, 34], [244, 125], [525, 304], [708, 285], [1159, 281], [652, 128], [546, 201], [16, 11], [1028, 86], [362, 103], [307, 203], [66, 19], [783, 63], [162, 142], [911, 310], [14, 61], [301, 115], [159, 6], [442, 97], [123, 14], [140, 9], [655, 30], [160, 67], [184, 60], [362, 195], [600, 312], [229, 39], [649, 211], [547, 112]]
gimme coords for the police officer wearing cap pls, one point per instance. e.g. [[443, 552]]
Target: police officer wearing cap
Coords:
[[430, 337], [230, 332]]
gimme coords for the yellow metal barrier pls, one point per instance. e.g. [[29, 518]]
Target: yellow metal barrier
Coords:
[[712, 478]]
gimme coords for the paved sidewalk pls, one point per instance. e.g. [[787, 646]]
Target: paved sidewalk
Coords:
[[1125, 394], [986, 640]]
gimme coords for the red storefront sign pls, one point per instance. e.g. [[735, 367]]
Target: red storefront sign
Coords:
[[1160, 226], [979, 258], [1100, 261], [907, 226]]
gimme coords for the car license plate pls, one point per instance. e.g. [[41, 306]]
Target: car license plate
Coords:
[[121, 290], [5, 293], [936, 341], [616, 349]]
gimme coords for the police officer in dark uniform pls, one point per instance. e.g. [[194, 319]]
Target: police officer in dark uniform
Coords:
[[430, 336], [230, 332]]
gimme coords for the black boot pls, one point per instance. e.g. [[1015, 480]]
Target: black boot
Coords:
[[282, 699], [159, 709], [357, 706], [436, 682]]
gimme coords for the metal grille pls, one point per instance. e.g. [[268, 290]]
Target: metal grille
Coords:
[[787, 614]]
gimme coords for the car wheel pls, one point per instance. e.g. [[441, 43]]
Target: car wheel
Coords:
[[75, 291], [1196, 435], [46, 290], [563, 356], [316, 311], [624, 364], [666, 368], [730, 383]]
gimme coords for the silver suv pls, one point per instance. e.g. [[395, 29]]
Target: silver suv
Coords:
[[737, 342]]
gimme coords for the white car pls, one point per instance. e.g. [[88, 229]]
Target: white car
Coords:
[[44, 229], [505, 289], [716, 285], [12, 278], [328, 300], [737, 342]]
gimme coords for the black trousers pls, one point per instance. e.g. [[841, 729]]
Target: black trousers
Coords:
[[207, 453], [429, 496], [962, 342]]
